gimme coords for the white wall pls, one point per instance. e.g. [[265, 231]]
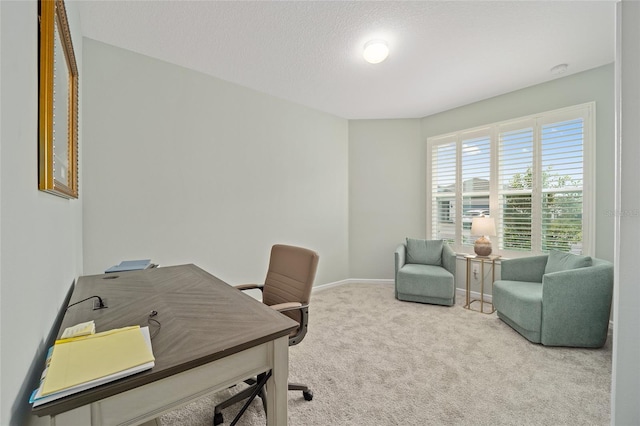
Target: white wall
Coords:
[[181, 167], [625, 386], [386, 192], [41, 242]]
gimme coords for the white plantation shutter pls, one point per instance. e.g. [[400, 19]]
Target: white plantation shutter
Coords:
[[562, 173], [476, 171], [515, 188], [443, 189], [533, 175]]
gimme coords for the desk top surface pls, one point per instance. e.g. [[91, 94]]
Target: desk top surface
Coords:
[[202, 319]]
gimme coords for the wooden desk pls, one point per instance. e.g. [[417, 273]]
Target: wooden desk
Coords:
[[211, 337]]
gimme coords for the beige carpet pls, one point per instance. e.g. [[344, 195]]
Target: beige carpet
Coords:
[[373, 360]]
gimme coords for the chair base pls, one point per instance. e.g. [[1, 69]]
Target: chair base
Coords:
[[306, 392], [256, 388], [218, 418], [530, 335], [425, 299]]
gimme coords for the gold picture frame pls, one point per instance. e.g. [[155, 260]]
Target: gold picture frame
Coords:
[[58, 103]]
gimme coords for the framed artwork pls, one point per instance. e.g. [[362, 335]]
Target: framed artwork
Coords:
[[58, 103]]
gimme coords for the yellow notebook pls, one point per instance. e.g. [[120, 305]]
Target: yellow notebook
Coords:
[[81, 359]]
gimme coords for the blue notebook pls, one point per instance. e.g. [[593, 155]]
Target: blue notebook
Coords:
[[130, 265]]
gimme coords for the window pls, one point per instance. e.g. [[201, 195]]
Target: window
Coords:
[[475, 171], [444, 189], [533, 175]]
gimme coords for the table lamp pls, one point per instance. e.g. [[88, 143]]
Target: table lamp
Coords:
[[483, 227]]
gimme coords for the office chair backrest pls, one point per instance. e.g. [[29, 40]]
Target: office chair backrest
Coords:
[[290, 277]]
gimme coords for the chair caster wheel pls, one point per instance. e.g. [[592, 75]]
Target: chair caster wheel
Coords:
[[217, 419], [308, 395]]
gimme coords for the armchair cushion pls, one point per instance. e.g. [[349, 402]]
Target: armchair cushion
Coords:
[[425, 252], [412, 281], [561, 261], [521, 303]]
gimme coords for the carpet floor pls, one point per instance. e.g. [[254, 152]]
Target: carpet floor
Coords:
[[373, 360]]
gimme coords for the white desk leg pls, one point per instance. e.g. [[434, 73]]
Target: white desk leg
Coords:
[[78, 416], [278, 382]]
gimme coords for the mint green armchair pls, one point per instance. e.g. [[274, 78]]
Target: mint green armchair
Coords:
[[425, 272], [557, 300]]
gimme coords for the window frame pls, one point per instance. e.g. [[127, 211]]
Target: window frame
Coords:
[[586, 111]]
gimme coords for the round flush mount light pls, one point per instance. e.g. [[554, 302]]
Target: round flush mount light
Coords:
[[559, 69], [375, 51]]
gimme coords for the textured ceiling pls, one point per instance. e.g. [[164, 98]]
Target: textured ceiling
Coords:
[[443, 53]]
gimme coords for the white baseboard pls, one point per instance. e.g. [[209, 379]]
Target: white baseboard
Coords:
[[474, 295], [353, 281], [328, 285]]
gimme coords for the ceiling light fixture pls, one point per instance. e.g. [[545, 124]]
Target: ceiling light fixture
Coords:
[[375, 51]]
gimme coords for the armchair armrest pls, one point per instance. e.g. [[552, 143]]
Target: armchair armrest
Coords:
[[243, 287], [576, 305], [449, 259], [530, 269], [288, 306], [400, 258]]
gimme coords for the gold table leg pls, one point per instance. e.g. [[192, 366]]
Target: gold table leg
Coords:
[[467, 296], [469, 301]]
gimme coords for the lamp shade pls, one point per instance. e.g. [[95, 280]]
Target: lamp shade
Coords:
[[483, 226]]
